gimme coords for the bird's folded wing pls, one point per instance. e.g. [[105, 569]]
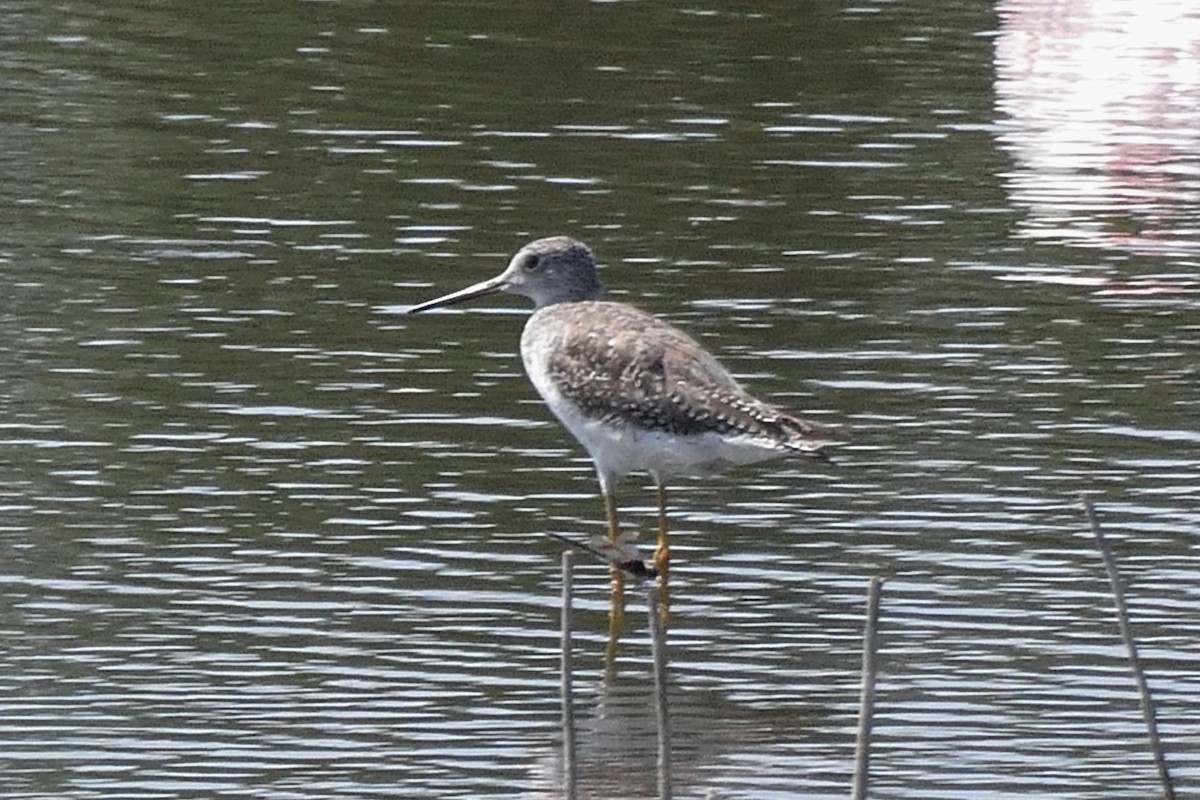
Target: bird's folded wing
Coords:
[[639, 370]]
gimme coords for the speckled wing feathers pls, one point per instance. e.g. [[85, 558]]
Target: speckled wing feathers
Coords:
[[625, 366]]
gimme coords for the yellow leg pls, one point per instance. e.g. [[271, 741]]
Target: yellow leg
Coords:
[[662, 553], [662, 556], [616, 613], [610, 510]]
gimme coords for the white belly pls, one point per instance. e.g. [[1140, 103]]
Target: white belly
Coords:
[[618, 450]]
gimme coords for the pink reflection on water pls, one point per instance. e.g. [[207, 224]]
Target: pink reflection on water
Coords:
[[1099, 107]]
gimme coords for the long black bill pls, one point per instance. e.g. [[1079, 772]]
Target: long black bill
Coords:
[[490, 286]]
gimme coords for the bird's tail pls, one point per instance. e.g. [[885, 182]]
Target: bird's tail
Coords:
[[806, 438]]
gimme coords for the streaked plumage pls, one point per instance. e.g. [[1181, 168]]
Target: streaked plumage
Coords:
[[608, 367]]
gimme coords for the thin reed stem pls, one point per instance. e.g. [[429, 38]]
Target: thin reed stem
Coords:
[[1147, 702], [658, 649], [570, 772], [866, 708]]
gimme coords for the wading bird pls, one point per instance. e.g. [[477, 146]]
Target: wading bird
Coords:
[[638, 393]]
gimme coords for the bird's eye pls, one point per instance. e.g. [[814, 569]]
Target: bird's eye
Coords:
[[532, 262]]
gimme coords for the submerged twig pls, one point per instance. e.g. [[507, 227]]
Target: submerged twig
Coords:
[[615, 555], [1147, 702], [866, 709]]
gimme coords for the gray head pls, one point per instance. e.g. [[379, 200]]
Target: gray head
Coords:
[[557, 269]]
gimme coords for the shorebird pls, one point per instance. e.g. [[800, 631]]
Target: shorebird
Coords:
[[638, 393]]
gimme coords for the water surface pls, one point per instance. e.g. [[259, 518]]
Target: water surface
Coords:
[[263, 537]]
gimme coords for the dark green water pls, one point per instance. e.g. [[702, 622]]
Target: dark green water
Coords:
[[261, 536]]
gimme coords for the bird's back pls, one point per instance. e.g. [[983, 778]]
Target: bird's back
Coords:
[[621, 366]]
